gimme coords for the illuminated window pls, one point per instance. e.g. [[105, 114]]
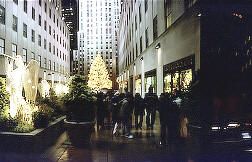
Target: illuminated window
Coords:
[[25, 6], [33, 13], [2, 45], [14, 23], [2, 15], [24, 30], [39, 40], [14, 50], [25, 55], [33, 55], [155, 28], [39, 60], [39, 20]]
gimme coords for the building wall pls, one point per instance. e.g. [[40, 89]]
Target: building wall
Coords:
[[179, 40], [60, 58], [98, 30]]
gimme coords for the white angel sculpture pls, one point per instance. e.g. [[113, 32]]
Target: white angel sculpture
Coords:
[[44, 88], [22, 77]]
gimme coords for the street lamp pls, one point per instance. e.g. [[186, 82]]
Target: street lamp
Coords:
[[157, 46]]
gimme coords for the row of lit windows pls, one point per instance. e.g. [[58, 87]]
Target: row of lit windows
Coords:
[[168, 11], [25, 33], [64, 30], [59, 68]]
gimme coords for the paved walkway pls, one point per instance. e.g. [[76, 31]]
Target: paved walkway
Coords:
[[143, 147], [119, 149]]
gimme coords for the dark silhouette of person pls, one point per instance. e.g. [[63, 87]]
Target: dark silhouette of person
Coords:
[[115, 107], [100, 111], [138, 111], [163, 107], [125, 112], [173, 120], [150, 101]]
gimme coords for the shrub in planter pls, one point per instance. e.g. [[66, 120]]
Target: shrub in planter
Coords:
[[23, 127], [8, 124], [42, 117], [52, 101], [79, 104], [40, 120]]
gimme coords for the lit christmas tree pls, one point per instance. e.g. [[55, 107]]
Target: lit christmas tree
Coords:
[[98, 77]]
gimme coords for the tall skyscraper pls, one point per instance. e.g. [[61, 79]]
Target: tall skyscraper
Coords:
[[98, 34], [70, 16]]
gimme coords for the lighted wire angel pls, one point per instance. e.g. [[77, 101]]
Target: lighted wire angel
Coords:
[[31, 81], [44, 88], [21, 77]]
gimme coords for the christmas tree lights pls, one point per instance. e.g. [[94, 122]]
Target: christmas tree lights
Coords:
[[98, 77]]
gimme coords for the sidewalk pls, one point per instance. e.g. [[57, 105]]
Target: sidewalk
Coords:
[[143, 147]]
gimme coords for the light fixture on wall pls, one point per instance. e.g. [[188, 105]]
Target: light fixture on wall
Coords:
[[157, 46], [141, 58]]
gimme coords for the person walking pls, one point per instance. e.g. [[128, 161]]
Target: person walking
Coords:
[[150, 101], [173, 120], [125, 112], [163, 106], [100, 111], [117, 112], [115, 107], [138, 111]]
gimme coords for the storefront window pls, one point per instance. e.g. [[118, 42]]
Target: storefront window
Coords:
[[167, 83], [175, 80], [185, 79], [138, 86], [150, 81], [178, 74]]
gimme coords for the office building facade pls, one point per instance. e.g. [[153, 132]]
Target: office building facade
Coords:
[[166, 43], [152, 51], [35, 30]]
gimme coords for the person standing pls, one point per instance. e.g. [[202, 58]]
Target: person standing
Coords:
[[150, 101], [138, 111]]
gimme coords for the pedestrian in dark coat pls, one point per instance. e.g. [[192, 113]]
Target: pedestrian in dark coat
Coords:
[[150, 101], [124, 114], [100, 111], [173, 120], [163, 107], [138, 111], [115, 107]]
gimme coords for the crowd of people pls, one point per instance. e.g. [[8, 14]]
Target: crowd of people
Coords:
[[119, 110]]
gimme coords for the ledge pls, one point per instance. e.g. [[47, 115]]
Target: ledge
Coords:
[[34, 141]]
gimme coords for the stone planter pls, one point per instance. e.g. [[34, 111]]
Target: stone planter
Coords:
[[35, 141], [79, 133]]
